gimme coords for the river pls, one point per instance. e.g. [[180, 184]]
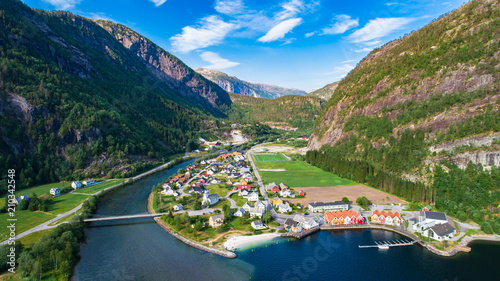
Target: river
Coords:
[[140, 250]]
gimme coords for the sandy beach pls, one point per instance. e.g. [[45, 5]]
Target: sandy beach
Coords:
[[237, 242]]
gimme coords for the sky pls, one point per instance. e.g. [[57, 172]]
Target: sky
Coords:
[[303, 44]]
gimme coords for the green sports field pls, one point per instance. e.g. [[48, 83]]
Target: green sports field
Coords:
[[299, 174], [270, 157]]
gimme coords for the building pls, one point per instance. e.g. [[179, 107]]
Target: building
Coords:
[[247, 206], [55, 191], [216, 221], [436, 225], [178, 207], [89, 182], [277, 201], [384, 217], [200, 189], [302, 193], [76, 185], [210, 198], [258, 225], [328, 207], [291, 225], [304, 222], [21, 198], [343, 217], [240, 212], [254, 197], [257, 212], [284, 208]]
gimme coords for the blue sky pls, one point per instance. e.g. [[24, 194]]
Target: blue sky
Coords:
[[302, 44]]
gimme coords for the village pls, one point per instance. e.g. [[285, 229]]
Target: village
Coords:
[[228, 201]]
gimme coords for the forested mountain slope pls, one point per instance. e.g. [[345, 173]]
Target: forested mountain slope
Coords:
[[298, 111], [419, 116], [72, 97], [234, 85]]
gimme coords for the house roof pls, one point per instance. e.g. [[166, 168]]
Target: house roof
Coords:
[[214, 217], [443, 229], [435, 215], [291, 222], [258, 223]]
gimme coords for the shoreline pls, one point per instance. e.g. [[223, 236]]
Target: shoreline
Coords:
[[189, 242], [238, 242]]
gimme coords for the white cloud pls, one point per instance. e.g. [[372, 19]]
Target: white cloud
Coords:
[[309, 34], [210, 31], [372, 43], [342, 24], [347, 61], [158, 3], [216, 61], [229, 7], [378, 28], [363, 50], [279, 30], [341, 71], [63, 4], [294, 7]]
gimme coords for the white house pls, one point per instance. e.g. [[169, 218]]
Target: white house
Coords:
[[247, 206], [55, 191], [89, 182], [214, 181], [169, 192], [284, 208], [243, 192], [286, 193], [22, 197], [240, 212], [253, 197], [257, 212], [258, 225], [76, 185], [436, 225], [178, 207], [210, 199]]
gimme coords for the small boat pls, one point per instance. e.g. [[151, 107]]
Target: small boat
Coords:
[[383, 247]]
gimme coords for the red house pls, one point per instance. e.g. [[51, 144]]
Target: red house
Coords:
[[244, 186], [276, 188], [427, 208], [301, 193]]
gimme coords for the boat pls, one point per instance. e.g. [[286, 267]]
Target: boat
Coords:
[[383, 247]]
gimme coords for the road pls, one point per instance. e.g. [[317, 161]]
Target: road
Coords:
[[259, 181]]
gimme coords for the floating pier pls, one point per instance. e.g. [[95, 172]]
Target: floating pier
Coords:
[[391, 243]]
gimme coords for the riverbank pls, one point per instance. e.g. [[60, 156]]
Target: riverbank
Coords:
[[186, 240]]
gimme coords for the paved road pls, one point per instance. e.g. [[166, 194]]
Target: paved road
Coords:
[[259, 181]]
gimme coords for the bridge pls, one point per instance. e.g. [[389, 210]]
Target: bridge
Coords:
[[124, 217]]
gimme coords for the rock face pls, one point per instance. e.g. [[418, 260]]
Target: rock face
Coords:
[[168, 68], [394, 79], [234, 85]]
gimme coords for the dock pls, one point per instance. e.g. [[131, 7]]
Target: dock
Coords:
[[301, 234], [391, 243]]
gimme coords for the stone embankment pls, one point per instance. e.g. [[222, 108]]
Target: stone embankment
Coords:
[[189, 242]]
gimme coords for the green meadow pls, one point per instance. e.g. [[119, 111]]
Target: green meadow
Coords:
[[299, 174], [270, 157]]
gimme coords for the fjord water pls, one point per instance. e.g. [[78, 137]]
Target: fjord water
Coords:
[[140, 250]]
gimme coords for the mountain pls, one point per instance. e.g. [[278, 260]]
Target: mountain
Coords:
[[298, 111], [438, 79], [419, 117], [326, 92], [79, 96], [234, 85]]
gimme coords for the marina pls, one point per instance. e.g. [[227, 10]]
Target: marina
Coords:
[[384, 245]]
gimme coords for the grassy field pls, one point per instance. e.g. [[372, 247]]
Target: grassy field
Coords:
[[219, 189], [299, 174], [25, 220], [240, 201], [270, 157], [33, 237]]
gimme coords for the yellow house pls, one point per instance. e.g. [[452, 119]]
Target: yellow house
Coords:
[[236, 153], [277, 201], [229, 182], [243, 182]]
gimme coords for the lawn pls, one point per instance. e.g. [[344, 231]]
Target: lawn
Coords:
[[66, 202], [98, 187], [34, 237], [240, 201], [219, 189], [270, 157], [25, 220], [42, 189], [299, 174]]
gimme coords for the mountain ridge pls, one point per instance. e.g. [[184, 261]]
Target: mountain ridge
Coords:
[[235, 85]]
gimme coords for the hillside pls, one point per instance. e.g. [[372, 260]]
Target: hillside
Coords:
[[234, 85], [298, 111], [74, 97], [326, 92], [416, 112]]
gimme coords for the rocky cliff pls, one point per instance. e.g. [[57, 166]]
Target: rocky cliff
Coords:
[[442, 79], [234, 85]]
